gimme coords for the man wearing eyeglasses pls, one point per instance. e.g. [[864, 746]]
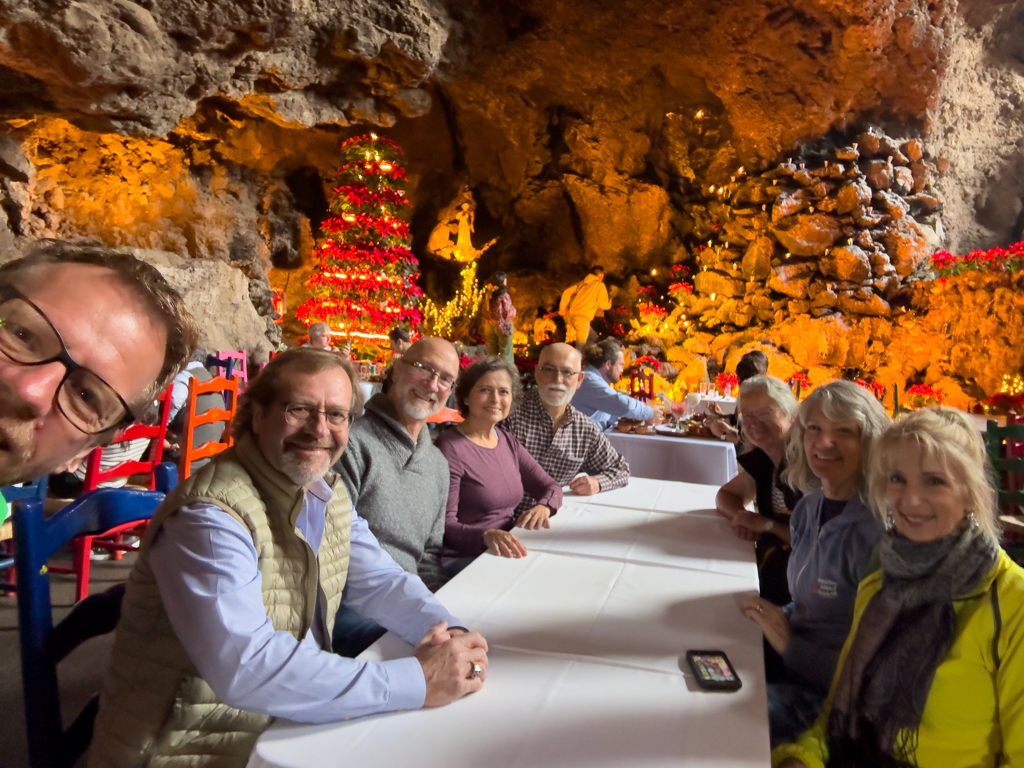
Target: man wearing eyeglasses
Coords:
[[567, 444], [88, 337], [226, 621], [396, 478]]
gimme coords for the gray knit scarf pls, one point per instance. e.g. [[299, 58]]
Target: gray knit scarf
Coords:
[[905, 632]]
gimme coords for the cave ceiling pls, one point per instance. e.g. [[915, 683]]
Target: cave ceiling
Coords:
[[584, 128]]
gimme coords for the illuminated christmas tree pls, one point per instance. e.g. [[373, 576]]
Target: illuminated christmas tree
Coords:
[[364, 281]]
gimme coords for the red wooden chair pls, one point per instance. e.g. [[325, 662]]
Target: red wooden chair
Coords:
[[191, 452], [241, 368], [112, 540]]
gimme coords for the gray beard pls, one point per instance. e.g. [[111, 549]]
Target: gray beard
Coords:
[[551, 397], [421, 412]]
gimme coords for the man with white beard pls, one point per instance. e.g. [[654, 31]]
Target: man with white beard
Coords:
[[396, 478], [562, 440]]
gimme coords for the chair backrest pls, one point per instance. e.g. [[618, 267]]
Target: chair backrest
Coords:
[[191, 452], [34, 490], [1006, 454], [43, 645], [225, 364], [155, 433], [241, 367]]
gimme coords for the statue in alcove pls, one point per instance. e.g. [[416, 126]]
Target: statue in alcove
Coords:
[[452, 237]]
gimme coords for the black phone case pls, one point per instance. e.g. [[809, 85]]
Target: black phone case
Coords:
[[713, 685]]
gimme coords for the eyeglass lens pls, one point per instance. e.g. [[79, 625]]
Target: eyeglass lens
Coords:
[[28, 338], [299, 414]]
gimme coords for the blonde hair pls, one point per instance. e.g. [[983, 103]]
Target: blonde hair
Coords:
[[947, 436], [838, 401]]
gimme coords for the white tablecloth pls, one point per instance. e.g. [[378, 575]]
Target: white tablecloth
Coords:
[[587, 635], [688, 460]]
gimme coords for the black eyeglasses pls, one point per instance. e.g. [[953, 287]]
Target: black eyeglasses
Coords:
[[446, 381], [27, 337], [298, 414]]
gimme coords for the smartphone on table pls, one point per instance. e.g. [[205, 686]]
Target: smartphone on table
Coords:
[[713, 670]]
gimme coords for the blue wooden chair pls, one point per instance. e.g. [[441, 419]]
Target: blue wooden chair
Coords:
[[227, 363], [43, 645], [13, 493]]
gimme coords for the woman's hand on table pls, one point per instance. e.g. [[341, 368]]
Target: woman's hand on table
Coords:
[[584, 485], [535, 518], [771, 619], [503, 544], [747, 525]]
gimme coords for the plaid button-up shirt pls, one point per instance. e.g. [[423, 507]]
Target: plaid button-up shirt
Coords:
[[578, 446]]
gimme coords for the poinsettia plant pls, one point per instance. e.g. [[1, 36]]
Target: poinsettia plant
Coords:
[[726, 382], [1010, 259], [647, 360], [877, 389], [922, 396]]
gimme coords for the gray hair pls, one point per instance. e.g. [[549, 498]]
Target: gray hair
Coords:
[[838, 401], [320, 329], [949, 437], [776, 389]]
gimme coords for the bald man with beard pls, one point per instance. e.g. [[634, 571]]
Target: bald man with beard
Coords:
[[396, 478], [564, 442]]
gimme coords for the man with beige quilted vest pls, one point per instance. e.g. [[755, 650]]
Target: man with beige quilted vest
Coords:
[[226, 621]]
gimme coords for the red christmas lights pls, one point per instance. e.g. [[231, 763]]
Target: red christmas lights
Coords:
[[364, 280]]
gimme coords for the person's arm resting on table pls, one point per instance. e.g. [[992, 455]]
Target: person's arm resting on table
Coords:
[[207, 571], [618, 404], [604, 466]]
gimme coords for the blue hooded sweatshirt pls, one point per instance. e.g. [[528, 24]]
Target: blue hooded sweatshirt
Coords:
[[825, 567]]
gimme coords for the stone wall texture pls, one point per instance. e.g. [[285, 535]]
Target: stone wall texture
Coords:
[[588, 131]]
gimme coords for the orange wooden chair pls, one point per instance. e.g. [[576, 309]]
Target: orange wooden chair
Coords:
[[191, 452], [112, 540]]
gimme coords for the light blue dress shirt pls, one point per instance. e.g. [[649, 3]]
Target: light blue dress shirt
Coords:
[[604, 405], [207, 571]]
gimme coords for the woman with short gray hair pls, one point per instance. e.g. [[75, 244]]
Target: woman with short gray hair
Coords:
[[768, 408], [833, 533]]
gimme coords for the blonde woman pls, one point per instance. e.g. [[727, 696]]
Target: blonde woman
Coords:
[[931, 673], [832, 533]]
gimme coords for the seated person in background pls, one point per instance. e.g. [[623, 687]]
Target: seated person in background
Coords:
[[562, 440], [833, 534], [768, 408], [754, 363], [398, 340], [489, 470], [320, 338], [204, 433], [596, 398], [396, 479], [931, 673], [226, 620], [108, 332]]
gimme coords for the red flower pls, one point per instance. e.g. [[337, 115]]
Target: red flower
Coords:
[[647, 360]]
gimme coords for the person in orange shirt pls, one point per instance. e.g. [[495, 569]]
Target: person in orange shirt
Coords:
[[580, 304]]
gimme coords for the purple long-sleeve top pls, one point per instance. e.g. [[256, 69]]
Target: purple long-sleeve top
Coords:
[[486, 486]]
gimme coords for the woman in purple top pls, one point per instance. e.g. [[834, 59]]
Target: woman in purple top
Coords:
[[489, 470]]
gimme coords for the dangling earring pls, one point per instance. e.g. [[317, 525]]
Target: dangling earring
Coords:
[[889, 523], [973, 519]]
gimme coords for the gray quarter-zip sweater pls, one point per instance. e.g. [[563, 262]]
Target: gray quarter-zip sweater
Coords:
[[399, 487], [825, 566]]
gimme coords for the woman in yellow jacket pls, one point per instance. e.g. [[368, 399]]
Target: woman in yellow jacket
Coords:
[[932, 673]]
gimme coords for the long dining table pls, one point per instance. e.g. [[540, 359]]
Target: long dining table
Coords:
[[587, 637]]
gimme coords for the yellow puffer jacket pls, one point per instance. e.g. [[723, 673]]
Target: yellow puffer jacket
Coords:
[[585, 298], [974, 715]]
